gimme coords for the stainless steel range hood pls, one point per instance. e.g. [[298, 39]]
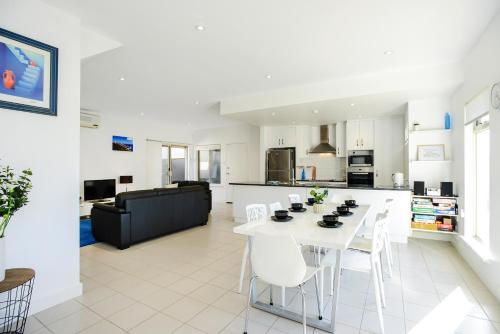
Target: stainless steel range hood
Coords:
[[324, 146]]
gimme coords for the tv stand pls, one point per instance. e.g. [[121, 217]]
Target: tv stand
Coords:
[[86, 206]]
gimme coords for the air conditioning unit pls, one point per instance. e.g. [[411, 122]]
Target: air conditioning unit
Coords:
[[88, 120]]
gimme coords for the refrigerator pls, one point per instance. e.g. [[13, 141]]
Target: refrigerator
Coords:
[[280, 165]]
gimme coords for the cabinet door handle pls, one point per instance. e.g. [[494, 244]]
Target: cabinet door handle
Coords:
[[362, 142], [357, 142]]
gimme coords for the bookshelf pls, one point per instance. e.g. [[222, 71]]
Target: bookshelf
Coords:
[[433, 215]]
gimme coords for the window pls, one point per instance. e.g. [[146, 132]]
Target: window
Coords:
[[209, 164], [174, 163], [481, 178]]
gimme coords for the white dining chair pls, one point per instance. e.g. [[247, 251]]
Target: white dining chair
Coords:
[[277, 260], [257, 214], [274, 207], [366, 261], [363, 243], [294, 198]]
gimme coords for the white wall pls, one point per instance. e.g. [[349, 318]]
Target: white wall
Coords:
[[44, 235], [389, 149], [99, 161], [226, 135], [481, 69]]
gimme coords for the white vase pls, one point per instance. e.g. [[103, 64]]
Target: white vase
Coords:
[[2, 259], [318, 208]]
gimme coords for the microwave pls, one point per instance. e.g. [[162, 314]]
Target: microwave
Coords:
[[360, 158]]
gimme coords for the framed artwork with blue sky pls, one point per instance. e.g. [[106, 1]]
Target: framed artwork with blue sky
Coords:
[[29, 74], [123, 144]]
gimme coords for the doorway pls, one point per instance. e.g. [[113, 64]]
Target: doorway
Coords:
[[174, 166], [236, 167]]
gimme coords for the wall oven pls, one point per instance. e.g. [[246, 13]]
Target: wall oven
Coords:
[[360, 159], [360, 177]]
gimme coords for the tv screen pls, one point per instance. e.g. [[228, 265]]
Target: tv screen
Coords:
[[99, 189]]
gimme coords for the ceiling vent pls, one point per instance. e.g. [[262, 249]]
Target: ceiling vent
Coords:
[[88, 120], [324, 146]]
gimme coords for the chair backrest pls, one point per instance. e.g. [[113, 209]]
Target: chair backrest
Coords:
[[256, 213], [340, 199], [294, 198], [388, 204], [378, 234], [276, 258], [274, 206]]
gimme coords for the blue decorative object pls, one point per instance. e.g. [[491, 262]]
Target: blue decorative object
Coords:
[[29, 74], [447, 121], [303, 174], [86, 236]]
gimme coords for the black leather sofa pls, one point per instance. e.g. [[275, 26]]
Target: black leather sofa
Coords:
[[145, 214], [204, 184]]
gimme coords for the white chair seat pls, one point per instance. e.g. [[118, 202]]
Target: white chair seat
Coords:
[[361, 244], [351, 260]]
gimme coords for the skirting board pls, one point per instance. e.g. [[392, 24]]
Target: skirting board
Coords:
[[44, 302]]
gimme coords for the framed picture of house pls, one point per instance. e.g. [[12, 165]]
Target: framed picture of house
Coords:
[[29, 74], [430, 152]]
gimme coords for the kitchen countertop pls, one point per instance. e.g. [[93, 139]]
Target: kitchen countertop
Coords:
[[322, 184]]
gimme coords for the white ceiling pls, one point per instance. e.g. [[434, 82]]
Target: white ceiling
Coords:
[[168, 65], [328, 112]]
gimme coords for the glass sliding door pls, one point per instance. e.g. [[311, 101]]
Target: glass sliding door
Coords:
[[174, 163]]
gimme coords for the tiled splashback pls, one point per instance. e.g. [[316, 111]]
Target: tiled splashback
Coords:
[[327, 166]]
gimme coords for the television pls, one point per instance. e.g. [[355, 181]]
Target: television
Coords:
[[99, 189]]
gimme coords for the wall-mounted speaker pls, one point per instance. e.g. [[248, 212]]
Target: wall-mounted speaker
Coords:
[[419, 188]]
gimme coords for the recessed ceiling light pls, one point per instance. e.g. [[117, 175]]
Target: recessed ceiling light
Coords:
[[269, 76], [352, 104], [200, 27], [273, 114], [122, 79], [315, 111], [197, 102], [389, 53], [142, 114]]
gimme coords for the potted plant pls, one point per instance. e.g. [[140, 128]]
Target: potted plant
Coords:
[[14, 191], [319, 197]]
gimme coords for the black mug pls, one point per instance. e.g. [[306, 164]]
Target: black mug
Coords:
[[311, 200], [297, 206]]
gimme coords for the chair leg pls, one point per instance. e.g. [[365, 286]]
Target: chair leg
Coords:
[[271, 295], [381, 283], [252, 281], [243, 266], [321, 287], [283, 299], [320, 313], [388, 258], [304, 312], [377, 298], [331, 280]]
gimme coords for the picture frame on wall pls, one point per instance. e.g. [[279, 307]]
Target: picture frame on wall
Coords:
[[29, 74], [430, 152], [125, 144]]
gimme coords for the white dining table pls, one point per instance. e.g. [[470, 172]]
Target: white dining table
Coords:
[[306, 232]]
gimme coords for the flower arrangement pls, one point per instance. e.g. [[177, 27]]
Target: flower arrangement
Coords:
[[317, 195], [14, 190]]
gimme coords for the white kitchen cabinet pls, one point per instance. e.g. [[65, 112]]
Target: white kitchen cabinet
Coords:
[[367, 134], [281, 136], [340, 139], [360, 134], [303, 141]]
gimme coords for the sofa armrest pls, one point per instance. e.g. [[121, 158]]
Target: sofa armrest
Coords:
[[107, 207], [111, 225]]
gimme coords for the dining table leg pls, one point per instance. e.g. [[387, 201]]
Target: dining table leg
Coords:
[[336, 289]]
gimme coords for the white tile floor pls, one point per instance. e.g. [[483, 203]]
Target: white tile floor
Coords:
[[186, 283]]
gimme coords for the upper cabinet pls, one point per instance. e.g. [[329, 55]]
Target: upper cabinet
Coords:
[[340, 139], [281, 136], [303, 140], [360, 134]]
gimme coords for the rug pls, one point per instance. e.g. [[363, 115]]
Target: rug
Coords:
[[86, 236]]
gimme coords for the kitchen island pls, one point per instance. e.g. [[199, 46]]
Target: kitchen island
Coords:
[[246, 193]]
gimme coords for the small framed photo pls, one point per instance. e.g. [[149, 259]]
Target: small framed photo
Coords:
[[123, 144], [29, 74], [430, 152]]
